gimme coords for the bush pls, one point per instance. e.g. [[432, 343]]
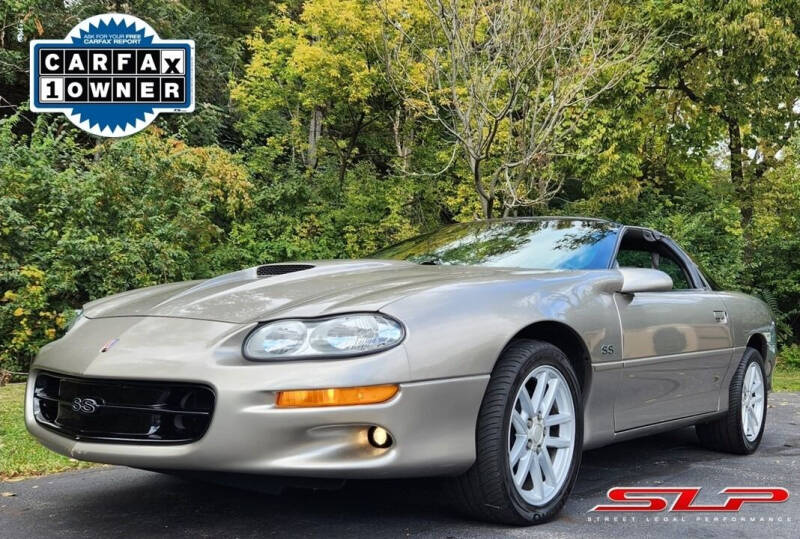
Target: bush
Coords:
[[79, 224], [27, 318], [789, 357]]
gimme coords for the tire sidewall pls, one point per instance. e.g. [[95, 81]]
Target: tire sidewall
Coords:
[[751, 356], [556, 359]]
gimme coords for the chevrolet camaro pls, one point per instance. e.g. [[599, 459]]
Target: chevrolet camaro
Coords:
[[492, 353]]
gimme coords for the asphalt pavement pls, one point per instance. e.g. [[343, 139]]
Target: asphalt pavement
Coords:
[[120, 502]]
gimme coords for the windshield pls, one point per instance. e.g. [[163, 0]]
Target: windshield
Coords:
[[530, 243]]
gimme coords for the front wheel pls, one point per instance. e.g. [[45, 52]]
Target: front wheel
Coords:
[[741, 428], [529, 438]]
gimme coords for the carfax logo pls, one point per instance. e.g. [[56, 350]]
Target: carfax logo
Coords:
[[112, 75]]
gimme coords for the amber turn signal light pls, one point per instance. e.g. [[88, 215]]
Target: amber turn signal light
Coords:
[[345, 396]]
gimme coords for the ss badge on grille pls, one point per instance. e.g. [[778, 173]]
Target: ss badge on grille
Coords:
[[84, 406]]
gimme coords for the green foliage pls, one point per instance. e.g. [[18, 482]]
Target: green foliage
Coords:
[[790, 357], [291, 219], [80, 223], [729, 64], [774, 235], [26, 317]]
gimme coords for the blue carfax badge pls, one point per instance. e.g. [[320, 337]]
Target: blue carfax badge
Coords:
[[112, 75]]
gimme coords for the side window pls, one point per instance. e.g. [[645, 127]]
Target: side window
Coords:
[[635, 259], [671, 268], [638, 252]]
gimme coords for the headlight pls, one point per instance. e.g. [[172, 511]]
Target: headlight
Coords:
[[78, 316], [337, 336]]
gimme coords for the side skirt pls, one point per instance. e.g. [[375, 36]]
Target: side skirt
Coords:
[[665, 426]]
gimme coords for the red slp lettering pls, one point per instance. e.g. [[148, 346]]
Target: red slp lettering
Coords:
[[651, 499]]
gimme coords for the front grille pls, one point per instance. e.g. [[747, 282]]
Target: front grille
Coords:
[[280, 269], [122, 410]]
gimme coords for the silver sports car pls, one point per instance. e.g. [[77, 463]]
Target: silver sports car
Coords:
[[492, 352]]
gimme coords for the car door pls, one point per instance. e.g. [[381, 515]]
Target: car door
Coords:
[[676, 345]]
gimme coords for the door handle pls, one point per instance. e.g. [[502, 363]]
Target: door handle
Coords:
[[721, 317]]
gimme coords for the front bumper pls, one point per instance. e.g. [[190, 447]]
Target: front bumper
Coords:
[[432, 422]]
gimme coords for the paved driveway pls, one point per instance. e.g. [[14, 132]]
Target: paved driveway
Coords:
[[116, 502]]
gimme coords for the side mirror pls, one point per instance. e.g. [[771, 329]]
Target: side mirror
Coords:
[[644, 280]]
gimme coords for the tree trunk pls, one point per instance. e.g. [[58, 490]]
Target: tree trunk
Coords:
[[343, 162], [314, 133], [402, 139], [487, 200], [737, 169]]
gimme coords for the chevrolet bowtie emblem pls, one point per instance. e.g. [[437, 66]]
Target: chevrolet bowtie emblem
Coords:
[[107, 346]]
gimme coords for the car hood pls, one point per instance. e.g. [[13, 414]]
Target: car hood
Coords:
[[324, 287]]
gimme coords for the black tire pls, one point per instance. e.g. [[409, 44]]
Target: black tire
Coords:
[[486, 491], [727, 433]]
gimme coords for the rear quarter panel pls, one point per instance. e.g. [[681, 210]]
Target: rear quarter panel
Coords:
[[749, 316]]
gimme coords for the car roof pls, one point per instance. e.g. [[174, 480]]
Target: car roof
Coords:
[[558, 218]]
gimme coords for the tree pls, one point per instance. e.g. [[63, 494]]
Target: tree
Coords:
[[314, 78], [775, 238], [21, 21], [734, 62], [499, 76]]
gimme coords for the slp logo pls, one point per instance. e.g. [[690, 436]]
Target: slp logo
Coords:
[[647, 499], [112, 75]]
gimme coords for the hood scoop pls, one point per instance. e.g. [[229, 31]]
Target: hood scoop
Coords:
[[280, 269]]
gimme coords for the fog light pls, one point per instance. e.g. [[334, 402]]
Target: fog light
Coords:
[[379, 437]]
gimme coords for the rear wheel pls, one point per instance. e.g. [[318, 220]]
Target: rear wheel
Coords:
[[529, 438], [740, 430]]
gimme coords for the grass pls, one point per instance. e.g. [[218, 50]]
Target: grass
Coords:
[[20, 454], [786, 378], [787, 372]]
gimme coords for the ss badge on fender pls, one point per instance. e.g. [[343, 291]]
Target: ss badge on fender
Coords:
[[607, 349]]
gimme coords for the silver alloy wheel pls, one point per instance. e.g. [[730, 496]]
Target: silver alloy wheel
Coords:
[[752, 402], [541, 435]]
